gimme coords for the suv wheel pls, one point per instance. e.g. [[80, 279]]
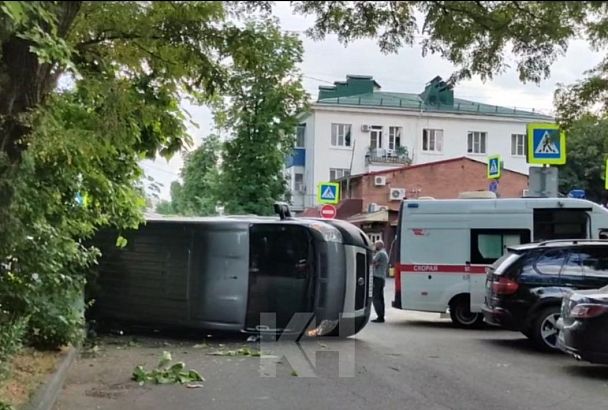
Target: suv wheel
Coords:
[[461, 315], [545, 331]]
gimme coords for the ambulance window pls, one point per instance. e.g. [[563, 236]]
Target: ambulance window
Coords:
[[488, 245], [560, 224]]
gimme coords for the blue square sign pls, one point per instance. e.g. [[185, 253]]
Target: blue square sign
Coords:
[[546, 144], [494, 167], [328, 193]]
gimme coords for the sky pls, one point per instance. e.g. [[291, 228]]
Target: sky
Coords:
[[406, 71]]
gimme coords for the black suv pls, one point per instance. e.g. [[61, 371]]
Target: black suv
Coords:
[[524, 288]]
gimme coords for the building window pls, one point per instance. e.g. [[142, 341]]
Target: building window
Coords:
[[301, 136], [432, 140], [298, 184], [394, 138], [337, 173], [340, 135], [518, 144], [476, 143], [375, 136]]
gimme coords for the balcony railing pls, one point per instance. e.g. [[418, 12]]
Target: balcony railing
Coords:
[[384, 156]]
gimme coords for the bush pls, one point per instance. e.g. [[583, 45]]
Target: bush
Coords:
[[59, 321], [11, 334]]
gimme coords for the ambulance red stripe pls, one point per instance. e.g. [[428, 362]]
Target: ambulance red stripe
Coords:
[[432, 268]]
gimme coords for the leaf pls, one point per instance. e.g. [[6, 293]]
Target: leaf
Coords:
[[177, 367], [121, 242], [195, 376], [139, 374], [165, 360]]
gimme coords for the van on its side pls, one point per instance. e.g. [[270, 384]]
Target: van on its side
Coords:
[[224, 273], [444, 246]]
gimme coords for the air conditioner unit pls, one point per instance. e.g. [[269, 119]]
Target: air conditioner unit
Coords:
[[379, 181], [372, 207], [397, 194], [525, 193], [365, 128]]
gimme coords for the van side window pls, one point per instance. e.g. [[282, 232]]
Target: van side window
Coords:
[[560, 224], [550, 262], [487, 245]]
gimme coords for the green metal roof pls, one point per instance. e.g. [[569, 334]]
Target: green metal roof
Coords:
[[410, 101]]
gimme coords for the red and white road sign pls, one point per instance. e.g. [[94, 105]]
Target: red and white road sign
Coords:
[[328, 212]]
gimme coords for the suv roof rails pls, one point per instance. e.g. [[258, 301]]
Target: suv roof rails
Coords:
[[573, 241]]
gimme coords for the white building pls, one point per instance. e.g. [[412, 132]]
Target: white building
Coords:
[[355, 128]]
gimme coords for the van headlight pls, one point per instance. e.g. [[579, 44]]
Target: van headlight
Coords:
[[329, 233]]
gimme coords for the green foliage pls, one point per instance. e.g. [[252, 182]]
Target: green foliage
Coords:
[[11, 334], [198, 195], [245, 352], [166, 373], [127, 64], [587, 148], [266, 95], [165, 208]]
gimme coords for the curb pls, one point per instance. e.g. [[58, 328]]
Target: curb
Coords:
[[47, 393]]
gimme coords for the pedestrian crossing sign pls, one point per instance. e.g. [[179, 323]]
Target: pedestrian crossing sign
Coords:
[[328, 193], [546, 144], [494, 167]]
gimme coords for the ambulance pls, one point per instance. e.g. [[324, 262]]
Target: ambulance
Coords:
[[444, 246]]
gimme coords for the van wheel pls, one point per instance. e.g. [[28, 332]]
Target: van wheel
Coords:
[[544, 331], [461, 315]]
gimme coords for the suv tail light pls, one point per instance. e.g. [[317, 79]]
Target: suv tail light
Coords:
[[587, 311], [504, 286]]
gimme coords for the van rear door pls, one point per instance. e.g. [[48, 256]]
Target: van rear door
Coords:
[[488, 245]]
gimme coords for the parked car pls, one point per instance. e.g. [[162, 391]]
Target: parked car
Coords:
[[524, 288], [584, 322]]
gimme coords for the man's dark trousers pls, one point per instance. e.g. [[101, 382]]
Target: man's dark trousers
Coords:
[[378, 296]]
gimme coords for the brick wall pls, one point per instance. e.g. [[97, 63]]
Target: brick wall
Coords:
[[441, 180]]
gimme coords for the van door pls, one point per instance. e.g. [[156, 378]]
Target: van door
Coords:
[[431, 259], [487, 245], [281, 271]]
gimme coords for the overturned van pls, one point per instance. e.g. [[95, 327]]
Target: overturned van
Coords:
[[249, 274]]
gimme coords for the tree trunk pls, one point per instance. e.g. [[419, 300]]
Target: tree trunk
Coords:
[[25, 82], [24, 85]]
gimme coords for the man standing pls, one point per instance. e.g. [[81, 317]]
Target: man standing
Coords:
[[380, 267]]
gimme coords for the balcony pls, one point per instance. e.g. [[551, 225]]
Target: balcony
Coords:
[[400, 156]]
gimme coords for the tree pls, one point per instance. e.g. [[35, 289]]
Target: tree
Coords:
[[260, 114], [587, 148], [127, 65], [476, 36], [198, 194], [165, 208]]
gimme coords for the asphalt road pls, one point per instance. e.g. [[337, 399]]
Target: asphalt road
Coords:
[[413, 361]]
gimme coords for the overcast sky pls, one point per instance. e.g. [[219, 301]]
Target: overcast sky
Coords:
[[407, 71]]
